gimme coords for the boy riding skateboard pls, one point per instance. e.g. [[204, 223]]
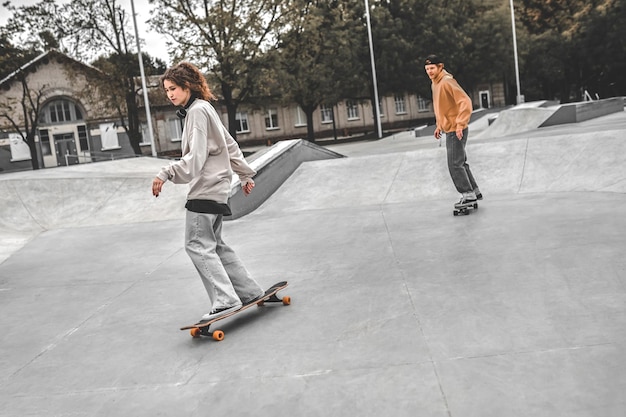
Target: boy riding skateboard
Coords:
[[453, 109]]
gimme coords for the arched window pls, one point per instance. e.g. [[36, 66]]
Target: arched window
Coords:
[[60, 111]]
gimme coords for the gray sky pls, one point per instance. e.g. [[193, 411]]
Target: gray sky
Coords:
[[154, 43]]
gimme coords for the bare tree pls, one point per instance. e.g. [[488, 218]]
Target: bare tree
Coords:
[[226, 38], [84, 30], [29, 104]]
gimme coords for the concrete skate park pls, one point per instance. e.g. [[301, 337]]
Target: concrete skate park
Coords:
[[398, 307]]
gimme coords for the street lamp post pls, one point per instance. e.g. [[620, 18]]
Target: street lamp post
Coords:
[[520, 97], [369, 35], [143, 83]]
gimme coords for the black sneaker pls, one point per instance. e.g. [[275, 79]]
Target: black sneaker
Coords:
[[219, 312]]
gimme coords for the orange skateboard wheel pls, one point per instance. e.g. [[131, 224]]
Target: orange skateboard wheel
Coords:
[[195, 332], [218, 335], [286, 300]]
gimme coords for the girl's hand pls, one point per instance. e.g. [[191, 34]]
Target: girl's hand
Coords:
[[247, 187], [157, 184]]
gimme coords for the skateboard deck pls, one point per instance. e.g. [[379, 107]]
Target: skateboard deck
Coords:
[[464, 211], [201, 328]]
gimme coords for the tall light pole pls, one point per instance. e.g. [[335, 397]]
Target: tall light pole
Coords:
[[519, 98], [146, 102], [369, 35]]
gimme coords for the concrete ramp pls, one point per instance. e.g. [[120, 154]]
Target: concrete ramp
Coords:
[[561, 163], [106, 193], [119, 192], [274, 165], [529, 116], [517, 120]]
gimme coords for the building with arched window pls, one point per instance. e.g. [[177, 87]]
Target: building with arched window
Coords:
[[62, 118], [72, 124]]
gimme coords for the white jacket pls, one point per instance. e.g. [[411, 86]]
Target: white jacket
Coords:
[[209, 156]]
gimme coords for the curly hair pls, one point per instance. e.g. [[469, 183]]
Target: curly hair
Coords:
[[187, 75]]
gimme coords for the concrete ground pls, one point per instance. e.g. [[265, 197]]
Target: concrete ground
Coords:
[[398, 307]]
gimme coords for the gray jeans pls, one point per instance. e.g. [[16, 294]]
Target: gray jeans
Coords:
[[457, 163], [224, 276]]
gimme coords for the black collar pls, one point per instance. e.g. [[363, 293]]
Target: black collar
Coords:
[[183, 111]]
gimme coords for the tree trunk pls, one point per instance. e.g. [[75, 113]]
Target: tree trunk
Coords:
[[232, 119], [32, 146], [310, 132], [231, 108], [134, 131]]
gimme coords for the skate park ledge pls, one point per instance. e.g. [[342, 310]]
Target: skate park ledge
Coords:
[[579, 112], [273, 166]]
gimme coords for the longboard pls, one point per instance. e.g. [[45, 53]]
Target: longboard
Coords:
[[465, 210], [202, 327]]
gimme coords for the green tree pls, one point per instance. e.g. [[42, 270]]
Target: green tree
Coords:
[[602, 40], [401, 39], [118, 80], [406, 31], [489, 53], [576, 45], [226, 38], [317, 61], [11, 57]]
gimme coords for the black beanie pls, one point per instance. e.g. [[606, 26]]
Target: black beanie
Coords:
[[432, 59]]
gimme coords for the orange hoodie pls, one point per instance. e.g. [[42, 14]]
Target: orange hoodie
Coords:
[[452, 105]]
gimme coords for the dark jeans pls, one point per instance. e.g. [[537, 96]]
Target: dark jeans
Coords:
[[457, 163]]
